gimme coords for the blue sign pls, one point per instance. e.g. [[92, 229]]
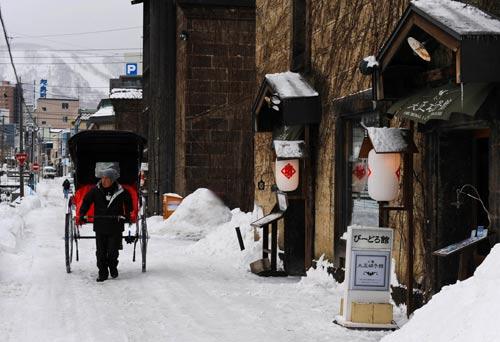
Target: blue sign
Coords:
[[131, 69], [43, 88]]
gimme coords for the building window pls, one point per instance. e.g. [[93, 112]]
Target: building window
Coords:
[[65, 119], [44, 109], [44, 122], [65, 105]]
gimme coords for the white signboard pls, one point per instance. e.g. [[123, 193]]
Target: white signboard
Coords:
[[370, 270], [368, 261]]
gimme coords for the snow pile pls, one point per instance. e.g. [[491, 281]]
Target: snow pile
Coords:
[[222, 243], [199, 213], [470, 309], [12, 223]]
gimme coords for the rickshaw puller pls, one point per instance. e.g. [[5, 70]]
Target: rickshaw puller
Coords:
[[111, 201]]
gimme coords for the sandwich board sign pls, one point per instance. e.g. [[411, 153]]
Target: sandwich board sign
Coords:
[[367, 278]]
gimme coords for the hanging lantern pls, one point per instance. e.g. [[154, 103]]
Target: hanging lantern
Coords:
[[287, 174], [359, 176], [383, 175]]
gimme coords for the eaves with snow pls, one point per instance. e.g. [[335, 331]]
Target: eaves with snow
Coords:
[[125, 94], [470, 33], [103, 112]]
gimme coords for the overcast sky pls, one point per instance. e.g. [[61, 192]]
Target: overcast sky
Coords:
[[49, 17]]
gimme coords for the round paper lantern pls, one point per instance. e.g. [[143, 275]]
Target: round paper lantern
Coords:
[[383, 175], [287, 174]]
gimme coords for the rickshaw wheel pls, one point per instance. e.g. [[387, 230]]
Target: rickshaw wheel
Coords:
[[143, 240], [68, 241]]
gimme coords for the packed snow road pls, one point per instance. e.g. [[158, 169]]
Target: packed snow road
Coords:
[[183, 296]]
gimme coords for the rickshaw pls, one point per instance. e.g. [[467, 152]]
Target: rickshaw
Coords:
[[88, 148]]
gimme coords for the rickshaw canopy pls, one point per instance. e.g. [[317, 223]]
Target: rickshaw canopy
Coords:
[[89, 147]]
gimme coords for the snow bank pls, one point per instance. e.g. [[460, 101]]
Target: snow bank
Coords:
[[12, 223], [199, 213], [222, 242], [465, 311]]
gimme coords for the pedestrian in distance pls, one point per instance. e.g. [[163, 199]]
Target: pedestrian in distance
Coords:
[[112, 207], [66, 186]]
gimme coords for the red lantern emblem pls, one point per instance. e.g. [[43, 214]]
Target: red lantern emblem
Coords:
[[288, 170], [359, 171]]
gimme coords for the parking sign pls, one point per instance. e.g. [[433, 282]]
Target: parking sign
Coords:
[[131, 69]]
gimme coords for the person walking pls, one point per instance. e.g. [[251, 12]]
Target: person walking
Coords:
[[112, 207], [66, 186]]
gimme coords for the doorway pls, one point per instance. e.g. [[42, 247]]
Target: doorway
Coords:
[[463, 158]]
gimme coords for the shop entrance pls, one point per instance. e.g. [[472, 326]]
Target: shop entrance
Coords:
[[462, 159]]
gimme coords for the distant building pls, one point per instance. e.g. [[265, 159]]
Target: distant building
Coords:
[[56, 113], [8, 94], [103, 118], [128, 106], [127, 82]]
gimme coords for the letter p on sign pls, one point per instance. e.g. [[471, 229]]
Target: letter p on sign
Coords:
[[131, 69]]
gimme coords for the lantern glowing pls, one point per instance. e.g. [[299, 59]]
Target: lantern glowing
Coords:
[[287, 174], [383, 175]]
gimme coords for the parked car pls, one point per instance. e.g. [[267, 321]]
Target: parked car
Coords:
[[49, 172]]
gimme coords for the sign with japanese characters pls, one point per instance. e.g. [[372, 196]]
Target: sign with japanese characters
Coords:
[[370, 258], [370, 270], [371, 238]]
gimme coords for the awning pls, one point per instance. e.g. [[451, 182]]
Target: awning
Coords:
[[439, 103]]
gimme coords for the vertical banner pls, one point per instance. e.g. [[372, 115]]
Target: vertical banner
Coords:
[[43, 88]]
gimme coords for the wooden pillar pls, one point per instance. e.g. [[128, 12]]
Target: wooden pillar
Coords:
[[408, 199]]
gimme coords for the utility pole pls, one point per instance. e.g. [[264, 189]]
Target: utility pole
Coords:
[[21, 139], [3, 139]]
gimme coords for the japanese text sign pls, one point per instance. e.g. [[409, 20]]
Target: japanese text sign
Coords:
[[371, 238]]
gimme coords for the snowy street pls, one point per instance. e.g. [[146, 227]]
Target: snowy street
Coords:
[[184, 296]]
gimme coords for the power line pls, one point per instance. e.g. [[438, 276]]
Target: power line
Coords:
[[78, 33], [70, 63], [73, 50], [74, 57]]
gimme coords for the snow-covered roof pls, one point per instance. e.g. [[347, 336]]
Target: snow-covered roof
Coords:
[[290, 84], [104, 111], [286, 149], [461, 18], [125, 93], [386, 139], [85, 116]]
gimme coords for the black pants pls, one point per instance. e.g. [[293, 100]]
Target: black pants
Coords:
[[107, 252]]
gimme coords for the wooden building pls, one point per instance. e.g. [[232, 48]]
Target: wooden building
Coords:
[[325, 42], [199, 82]]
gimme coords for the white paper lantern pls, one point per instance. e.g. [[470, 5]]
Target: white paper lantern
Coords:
[[287, 174], [383, 175]]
